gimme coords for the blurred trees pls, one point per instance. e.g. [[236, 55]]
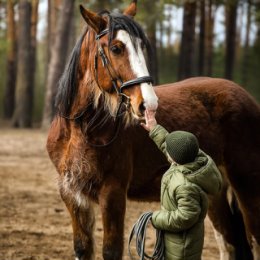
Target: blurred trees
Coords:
[[53, 12], [149, 14], [58, 54], [33, 47], [246, 56], [22, 116], [231, 33], [187, 48], [207, 14], [218, 38], [10, 61]]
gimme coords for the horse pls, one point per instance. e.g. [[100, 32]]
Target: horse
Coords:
[[103, 155]]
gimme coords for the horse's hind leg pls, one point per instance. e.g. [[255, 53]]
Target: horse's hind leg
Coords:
[[228, 226], [242, 247], [220, 216], [249, 204], [112, 200], [83, 220]]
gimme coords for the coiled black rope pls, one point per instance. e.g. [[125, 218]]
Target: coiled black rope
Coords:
[[139, 230]]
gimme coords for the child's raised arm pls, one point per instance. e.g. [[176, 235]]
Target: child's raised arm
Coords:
[[156, 131]]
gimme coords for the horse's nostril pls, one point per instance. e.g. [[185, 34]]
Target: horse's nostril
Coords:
[[142, 108]]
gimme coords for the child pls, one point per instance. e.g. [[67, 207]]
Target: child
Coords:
[[184, 188]]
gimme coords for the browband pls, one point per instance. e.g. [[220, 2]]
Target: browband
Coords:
[[106, 31], [102, 33]]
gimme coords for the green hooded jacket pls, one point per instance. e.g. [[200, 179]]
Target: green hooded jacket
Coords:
[[184, 202]]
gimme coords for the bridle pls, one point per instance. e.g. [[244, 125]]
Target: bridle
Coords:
[[108, 66], [123, 98]]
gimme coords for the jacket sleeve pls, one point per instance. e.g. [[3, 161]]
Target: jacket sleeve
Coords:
[[187, 212], [158, 135]]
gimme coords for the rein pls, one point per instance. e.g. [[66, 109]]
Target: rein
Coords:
[[139, 231]]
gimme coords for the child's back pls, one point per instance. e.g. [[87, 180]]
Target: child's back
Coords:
[[184, 189]]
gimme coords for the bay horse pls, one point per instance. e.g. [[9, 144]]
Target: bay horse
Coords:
[[104, 156]]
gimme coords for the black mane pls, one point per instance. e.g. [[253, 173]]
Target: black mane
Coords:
[[68, 84]]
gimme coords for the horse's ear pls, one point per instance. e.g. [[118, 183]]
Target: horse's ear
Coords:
[[131, 9], [95, 21]]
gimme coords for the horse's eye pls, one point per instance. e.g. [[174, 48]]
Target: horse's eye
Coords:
[[116, 49]]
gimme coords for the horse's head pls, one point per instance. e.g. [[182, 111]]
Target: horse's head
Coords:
[[113, 49]]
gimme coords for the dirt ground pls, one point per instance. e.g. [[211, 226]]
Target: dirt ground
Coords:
[[34, 223]]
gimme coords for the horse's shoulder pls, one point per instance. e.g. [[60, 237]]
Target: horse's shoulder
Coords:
[[58, 134]]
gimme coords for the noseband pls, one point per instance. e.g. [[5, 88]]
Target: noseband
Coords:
[[106, 64]]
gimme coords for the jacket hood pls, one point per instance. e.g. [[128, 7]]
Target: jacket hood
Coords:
[[203, 172]]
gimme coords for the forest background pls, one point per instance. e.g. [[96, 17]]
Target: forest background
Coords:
[[189, 38]]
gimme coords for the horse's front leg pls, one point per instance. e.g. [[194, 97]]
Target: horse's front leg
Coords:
[[83, 219], [113, 203]]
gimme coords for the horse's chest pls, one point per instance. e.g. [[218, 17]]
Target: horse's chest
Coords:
[[78, 181]]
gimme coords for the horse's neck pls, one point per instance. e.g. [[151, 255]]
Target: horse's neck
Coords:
[[96, 119]]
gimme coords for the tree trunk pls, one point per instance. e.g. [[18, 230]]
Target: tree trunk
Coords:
[[256, 43], [23, 111], [58, 60], [231, 18], [210, 20], [245, 62], [151, 33], [53, 11], [9, 95], [160, 38], [54, 7], [188, 41], [152, 61], [201, 57], [33, 43], [72, 33]]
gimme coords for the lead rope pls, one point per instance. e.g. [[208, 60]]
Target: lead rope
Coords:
[[139, 230]]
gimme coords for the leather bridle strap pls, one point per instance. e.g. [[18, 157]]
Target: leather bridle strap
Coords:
[[108, 66], [102, 33], [129, 83]]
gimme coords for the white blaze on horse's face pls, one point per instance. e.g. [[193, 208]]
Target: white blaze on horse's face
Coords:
[[139, 68]]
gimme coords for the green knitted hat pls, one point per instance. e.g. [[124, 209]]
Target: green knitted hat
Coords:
[[182, 146]]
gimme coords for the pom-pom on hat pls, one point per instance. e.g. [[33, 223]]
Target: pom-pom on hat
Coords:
[[182, 146]]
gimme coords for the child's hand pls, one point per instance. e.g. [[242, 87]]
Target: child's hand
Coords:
[[150, 121]]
